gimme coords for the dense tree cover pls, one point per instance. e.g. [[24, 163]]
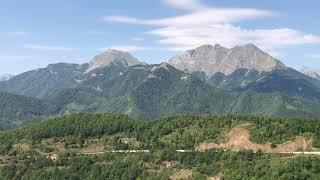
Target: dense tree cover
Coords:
[[16, 109], [188, 130], [142, 91], [282, 129], [183, 131], [162, 137], [75, 168], [247, 165], [229, 165], [76, 125]]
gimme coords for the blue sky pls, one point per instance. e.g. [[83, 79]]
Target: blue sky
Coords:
[[35, 33]]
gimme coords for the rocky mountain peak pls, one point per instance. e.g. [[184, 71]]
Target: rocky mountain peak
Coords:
[[212, 59], [250, 46], [112, 56], [205, 47], [218, 46], [208, 48]]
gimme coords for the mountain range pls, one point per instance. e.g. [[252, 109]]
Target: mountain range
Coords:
[[247, 68], [217, 59], [206, 80]]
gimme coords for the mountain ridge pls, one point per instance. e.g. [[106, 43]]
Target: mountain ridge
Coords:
[[112, 56], [314, 73], [151, 91], [125, 85], [5, 77], [246, 68], [214, 59]]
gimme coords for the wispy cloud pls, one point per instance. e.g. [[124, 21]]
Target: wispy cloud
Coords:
[[14, 57], [210, 25], [230, 35], [49, 47], [197, 18], [16, 33]]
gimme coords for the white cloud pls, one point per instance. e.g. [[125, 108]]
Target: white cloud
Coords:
[[16, 33], [210, 25], [125, 19], [230, 35], [49, 48], [197, 18], [127, 48]]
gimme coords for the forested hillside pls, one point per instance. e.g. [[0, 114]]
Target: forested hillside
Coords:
[[87, 146], [15, 109], [153, 91], [188, 129], [115, 81]]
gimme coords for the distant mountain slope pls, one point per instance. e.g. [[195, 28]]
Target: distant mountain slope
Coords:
[[214, 59], [152, 91], [314, 73], [44, 81], [157, 97], [16, 109], [247, 68], [114, 81], [38, 83], [112, 56], [5, 77], [288, 82]]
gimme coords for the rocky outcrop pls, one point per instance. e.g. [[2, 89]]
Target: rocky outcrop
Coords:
[[112, 56], [213, 59]]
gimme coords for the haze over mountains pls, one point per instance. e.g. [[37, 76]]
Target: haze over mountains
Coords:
[[314, 73], [206, 80], [5, 77]]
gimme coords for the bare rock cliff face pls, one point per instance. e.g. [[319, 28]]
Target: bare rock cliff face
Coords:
[[112, 56], [212, 59]]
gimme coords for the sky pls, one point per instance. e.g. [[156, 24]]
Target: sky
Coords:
[[36, 33]]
